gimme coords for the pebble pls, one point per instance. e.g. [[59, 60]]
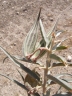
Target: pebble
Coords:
[[4, 1], [17, 13], [51, 19], [69, 58]]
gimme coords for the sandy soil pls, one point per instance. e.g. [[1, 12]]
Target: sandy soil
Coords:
[[16, 18]]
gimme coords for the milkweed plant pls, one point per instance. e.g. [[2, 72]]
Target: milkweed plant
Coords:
[[33, 50]]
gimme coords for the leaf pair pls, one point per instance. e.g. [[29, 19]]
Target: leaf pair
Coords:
[[31, 40]]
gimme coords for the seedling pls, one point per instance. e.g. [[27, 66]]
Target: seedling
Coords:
[[33, 50]]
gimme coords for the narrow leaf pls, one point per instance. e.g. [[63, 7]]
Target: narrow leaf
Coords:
[[43, 31], [58, 58], [61, 64], [61, 47], [31, 39], [22, 59], [18, 83], [21, 75], [21, 65], [53, 30], [56, 46], [60, 82], [49, 38], [59, 43]]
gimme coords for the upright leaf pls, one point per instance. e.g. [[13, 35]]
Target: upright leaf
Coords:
[[43, 31], [31, 39]]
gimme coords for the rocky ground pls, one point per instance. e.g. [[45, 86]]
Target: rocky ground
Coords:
[[16, 19]]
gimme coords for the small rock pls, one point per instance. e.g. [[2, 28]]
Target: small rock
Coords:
[[51, 19], [14, 44], [4, 1], [69, 58], [17, 13], [13, 7]]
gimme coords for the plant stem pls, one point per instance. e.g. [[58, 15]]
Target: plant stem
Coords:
[[48, 60], [45, 72]]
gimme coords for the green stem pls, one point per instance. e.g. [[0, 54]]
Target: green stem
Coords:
[[45, 72], [48, 60]]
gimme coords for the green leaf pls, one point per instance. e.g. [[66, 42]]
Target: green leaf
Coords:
[[53, 30], [43, 32], [42, 43], [60, 82], [58, 58], [21, 65], [59, 43], [31, 39], [61, 47], [45, 42], [21, 75], [46, 38], [56, 46], [18, 83], [61, 64], [22, 59]]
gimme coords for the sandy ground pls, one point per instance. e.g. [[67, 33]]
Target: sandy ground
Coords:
[[16, 18]]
